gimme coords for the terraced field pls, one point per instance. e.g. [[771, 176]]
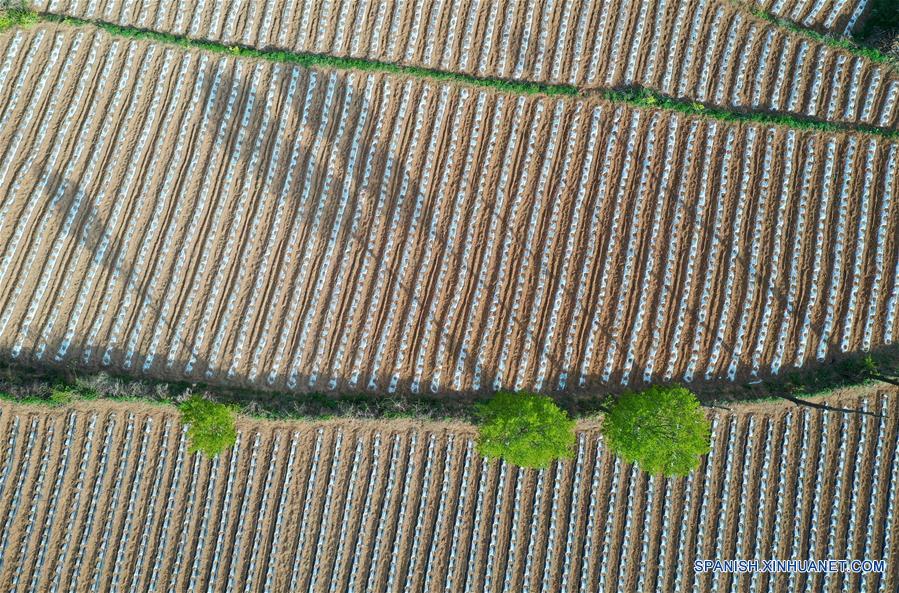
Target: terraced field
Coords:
[[701, 50], [838, 16], [112, 501], [190, 215], [257, 224]]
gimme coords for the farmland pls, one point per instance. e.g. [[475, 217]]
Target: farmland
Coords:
[[839, 16], [701, 50], [255, 224], [110, 499], [390, 207], [404, 206]]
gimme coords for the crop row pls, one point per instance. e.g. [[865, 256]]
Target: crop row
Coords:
[[113, 501], [257, 224], [700, 50], [839, 16]]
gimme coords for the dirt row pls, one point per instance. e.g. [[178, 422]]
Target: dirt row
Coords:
[[252, 224], [833, 16], [699, 50], [110, 497]]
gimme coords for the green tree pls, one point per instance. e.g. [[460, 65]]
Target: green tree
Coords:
[[525, 429], [211, 426], [662, 429]]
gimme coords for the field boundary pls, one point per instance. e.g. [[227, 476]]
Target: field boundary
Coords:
[[51, 386], [636, 96], [81, 398]]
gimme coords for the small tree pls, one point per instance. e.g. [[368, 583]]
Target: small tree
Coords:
[[662, 429], [211, 426], [524, 429], [871, 369]]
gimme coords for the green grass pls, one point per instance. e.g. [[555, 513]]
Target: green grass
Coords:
[[17, 17], [637, 96], [28, 400], [646, 98]]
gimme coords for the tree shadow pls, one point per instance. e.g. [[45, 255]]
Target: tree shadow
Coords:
[[101, 235], [96, 234]]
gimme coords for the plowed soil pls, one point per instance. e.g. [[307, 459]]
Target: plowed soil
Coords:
[[700, 50], [252, 224], [353, 506]]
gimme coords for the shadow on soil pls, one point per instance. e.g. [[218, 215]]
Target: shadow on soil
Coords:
[[26, 376], [25, 380]]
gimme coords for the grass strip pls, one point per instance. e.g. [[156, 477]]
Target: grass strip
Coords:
[[647, 98], [634, 96]]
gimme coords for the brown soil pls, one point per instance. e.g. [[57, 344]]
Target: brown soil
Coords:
[[335, 282], [388, 32], [431, 557]]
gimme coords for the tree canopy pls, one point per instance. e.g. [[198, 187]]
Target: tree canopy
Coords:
[[211, 426], [525, 429], [662, 429]]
